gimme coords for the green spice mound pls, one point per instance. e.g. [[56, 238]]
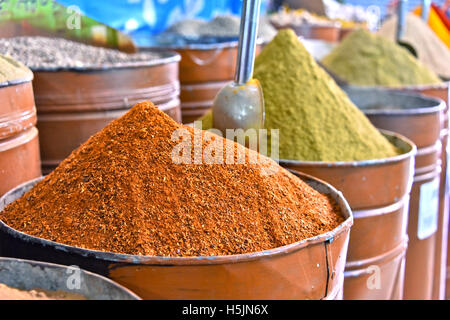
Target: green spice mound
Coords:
[[364, 58], [12, 70], [315, 118]]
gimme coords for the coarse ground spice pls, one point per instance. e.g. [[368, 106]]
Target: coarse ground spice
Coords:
[[364, 58], [8, 293], [42, 53], [122, 192]]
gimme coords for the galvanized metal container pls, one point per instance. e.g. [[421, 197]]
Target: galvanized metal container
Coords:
[[204, 69], [30, 275], [197, 99], [319, 49], [73, 105], [19, 146], [419, 118], [378, 193], [330, 33], [439, 91], [309, 269]]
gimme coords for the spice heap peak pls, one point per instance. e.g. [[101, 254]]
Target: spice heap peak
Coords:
[[123, 192], [12, 71], [364, 58], [315, 118]]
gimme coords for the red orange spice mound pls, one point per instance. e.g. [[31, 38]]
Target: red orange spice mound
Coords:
[[122, 192]]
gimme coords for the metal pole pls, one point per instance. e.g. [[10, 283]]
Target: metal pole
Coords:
[[401, 19], [247, 40], [426, 4]]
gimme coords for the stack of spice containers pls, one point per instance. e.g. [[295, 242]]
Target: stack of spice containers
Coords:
[[392, 67], [418, 118], [79, 89], [249, 230], [19, 145]]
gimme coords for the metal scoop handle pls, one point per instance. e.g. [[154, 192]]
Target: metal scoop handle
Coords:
[[247, 41], [426, 9], [401, 20]]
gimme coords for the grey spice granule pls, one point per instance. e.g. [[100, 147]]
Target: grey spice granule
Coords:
[[41, 53]]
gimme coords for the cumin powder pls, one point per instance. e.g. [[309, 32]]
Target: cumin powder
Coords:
[[316, 119], [122, 192], [367, 59]]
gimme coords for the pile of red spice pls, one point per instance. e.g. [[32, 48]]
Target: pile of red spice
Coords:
[[121, 192]]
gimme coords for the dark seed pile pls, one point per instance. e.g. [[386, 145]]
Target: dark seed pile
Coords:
[[40, 53]]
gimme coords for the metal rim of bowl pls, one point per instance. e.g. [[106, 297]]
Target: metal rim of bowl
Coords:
[[362, 163], [28, 78], [196, 260], [412, 87], [165, 57], [439, 104], [199, 46], [59, 266]]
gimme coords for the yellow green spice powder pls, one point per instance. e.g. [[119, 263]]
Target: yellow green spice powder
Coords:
[[364, 58], [315, 118]]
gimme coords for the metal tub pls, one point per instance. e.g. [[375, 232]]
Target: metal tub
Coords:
[[29, 275], [74, 104], [310, 269], [378, 193]]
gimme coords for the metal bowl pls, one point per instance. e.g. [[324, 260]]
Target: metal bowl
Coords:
[[29, 275]]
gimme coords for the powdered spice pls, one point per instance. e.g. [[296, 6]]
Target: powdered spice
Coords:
[[122, 192], [363, 58], [8, 293], [315, 118]]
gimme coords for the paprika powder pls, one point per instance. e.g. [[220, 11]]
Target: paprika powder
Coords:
[[123, 192]]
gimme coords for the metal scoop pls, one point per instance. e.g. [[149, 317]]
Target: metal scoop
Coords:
[[426, 4], [401, 26], [240, 104]]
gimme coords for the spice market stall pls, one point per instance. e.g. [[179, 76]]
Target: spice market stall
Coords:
[[327, 180]]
